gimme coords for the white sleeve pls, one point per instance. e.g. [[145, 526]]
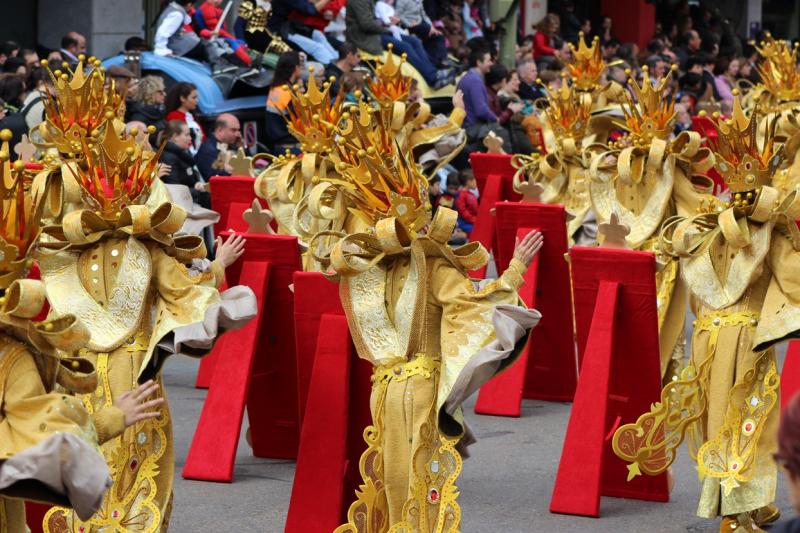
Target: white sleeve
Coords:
[[169, 26]]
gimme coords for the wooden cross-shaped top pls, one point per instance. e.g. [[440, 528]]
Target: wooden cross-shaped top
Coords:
[[493, 143], [614, 233], [258, 219], [240, 163], [25, 149], [531, 192]]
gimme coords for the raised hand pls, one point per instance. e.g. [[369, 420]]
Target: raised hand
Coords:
[[527, 248], [134, 406]]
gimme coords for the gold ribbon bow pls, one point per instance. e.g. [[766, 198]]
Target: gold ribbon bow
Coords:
[[84, 228]]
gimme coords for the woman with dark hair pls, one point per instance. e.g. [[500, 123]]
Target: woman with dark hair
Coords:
[[182, 165], [39, 83], [788, 457], [495, 80], [725, 72], [180, 102], [12, 92], [546, 51], [287, 73]]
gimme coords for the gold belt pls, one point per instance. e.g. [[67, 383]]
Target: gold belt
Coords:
[[721, 319], [400, 370]]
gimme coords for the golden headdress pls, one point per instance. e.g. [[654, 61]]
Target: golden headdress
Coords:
[[742, 163], [82, 106], [568, 111], [778, 69], [19, 223], [313, 116], [378, 178], [587, 65], [647, 112], [389, 83]]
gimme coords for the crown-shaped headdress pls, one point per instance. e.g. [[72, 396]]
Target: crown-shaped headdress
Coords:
[[742, 163], [648, 113], [568, 111], [19, 223], [313, 116], [115, 172], [82, 105], [389, 83], [587, 65], [778, 68], [378, 178]]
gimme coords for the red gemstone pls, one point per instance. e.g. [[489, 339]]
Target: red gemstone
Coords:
[[134, 464], [434, 495]]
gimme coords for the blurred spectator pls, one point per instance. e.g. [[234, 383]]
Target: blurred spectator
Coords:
[[182, 164], [528, 87], [545, 50], [6, 51], [12, 94], [610, 49], [294, 30], [323, 18], [480, 119], [386, 14], [73, 44], [472, 23], [605, 32], [287, 73], [55, 57], [179, 104], [450, 195], [136, 44], [467, 201], [656, 67], [434, 192], [366, 31], [30, 56], [207, 18], [227, 135], [570, 23], [412, 15], [175, 35], [147, 105], [683, 118], [40, 85], [15, 65], [349, 58], [125, 81], [725, 72], [495, 80], [353, 84], [690, 46]]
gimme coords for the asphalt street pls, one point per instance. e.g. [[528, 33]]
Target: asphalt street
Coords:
[[505, 486]]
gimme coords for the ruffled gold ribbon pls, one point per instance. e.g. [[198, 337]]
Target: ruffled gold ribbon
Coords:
[[690, 237], [84, 228], [353, 254]]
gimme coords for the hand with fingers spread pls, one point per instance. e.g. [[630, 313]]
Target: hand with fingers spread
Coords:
[[527, 248], [134, 406], [230, 250]]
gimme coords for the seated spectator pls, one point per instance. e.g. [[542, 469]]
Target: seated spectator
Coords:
[[294, 30], [207, 18], [12, 94], [136, 44], [472, 21], [480, 119], [175, 35], [353, 84], [54, 57], [40, 85], [147, 105], [412, 16], [181, 163], [495, 80], [385, 12], [529, 89], [328, 13], [179, 104], [73, 44], [366, 31], [287, 73], [545, 49], [349, 58], [6, 51], [725, 72], [656, 67], [467, 201], [30, 56], [690, 46], [125, 81], [226, 137], [610, 49]]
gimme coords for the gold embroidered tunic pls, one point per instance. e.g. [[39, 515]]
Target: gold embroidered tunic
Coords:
[[424, 325]]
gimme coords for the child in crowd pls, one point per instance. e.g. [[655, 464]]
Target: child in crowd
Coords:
[[467, 201], [384, 11], [352, 82]]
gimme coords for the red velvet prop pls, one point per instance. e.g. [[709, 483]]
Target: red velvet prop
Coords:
[[34, 515], [502, 395], [337, 408], [494, 175], [790, 375], [551, 373], [257, 367], [615, 300]]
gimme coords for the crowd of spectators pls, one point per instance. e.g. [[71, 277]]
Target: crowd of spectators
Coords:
[[449, 42]]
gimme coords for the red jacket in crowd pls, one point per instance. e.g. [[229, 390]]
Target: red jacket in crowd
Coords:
[[467, 205], [542, 45]]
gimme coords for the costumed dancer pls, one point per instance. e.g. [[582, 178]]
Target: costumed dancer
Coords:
[[644, 178], [48, 441], [432, 335], [118, 265], [737, 259], [560, 176]]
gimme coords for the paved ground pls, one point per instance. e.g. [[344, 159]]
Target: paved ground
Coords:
[[505, 487]]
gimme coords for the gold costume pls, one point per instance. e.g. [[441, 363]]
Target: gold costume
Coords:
[[736, 259], [646, 178], [111, 258], [414, 314]]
